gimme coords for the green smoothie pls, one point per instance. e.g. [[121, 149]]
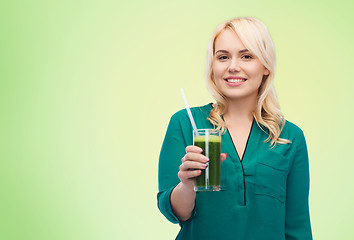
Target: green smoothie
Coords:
[[209, 180]]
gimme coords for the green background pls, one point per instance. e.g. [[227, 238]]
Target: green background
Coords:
[[88, 87]]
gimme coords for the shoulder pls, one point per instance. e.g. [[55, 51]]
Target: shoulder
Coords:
[[292, 132], [180, 124], [295, 135], [292, 128], [197, 112]]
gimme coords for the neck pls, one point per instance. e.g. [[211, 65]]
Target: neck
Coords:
[[241, 110]]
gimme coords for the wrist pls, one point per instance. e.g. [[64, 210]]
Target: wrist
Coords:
[[187, 187]]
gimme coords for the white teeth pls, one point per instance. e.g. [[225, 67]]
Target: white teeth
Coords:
[[235, 80]]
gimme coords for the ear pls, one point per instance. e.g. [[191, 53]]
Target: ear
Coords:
[[266, 72]]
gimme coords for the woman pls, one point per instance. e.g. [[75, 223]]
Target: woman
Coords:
[[265, 170]]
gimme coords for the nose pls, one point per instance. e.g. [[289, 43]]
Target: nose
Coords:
[[234, 66]]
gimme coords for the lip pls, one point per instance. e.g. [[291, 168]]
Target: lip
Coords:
[[235, 84], [231, 84], [235, 77]]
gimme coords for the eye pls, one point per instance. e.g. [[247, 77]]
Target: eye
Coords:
[[247, 57], [222, 57]]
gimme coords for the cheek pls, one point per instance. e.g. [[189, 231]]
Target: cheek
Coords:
[[257, 71], [218, 71]]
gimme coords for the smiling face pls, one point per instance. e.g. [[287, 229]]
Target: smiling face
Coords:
[[238, 73]]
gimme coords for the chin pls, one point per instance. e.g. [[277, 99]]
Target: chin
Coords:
[[241, 95]]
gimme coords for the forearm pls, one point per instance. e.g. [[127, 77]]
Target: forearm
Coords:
[[297, 221], [183, 201]]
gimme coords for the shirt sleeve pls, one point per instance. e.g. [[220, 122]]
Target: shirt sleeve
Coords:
[[172, 151], [297, 216]]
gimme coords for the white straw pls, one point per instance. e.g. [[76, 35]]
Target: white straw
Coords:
[[189, 113]]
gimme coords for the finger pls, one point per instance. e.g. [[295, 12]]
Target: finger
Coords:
[[189, 174], [223, 156], [192, 148], [192, 165], [192, 156]]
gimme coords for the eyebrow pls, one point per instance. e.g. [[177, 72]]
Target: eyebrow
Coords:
[[241, 51]]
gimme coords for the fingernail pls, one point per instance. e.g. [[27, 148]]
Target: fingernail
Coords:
[[204, 165], [206, 159]]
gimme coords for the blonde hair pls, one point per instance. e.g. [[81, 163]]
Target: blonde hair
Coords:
[[255, 36]]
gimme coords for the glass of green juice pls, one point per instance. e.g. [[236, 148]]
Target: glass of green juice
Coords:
[[210, 141]]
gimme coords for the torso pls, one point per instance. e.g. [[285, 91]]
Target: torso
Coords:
[[239, 134]]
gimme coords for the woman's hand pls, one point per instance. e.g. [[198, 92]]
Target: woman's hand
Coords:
[[183, 195], [192, 164]]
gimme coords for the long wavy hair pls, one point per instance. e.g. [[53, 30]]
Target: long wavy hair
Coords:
[[256, 38]]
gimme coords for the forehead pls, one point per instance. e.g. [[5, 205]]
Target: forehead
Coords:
[[229, 41]]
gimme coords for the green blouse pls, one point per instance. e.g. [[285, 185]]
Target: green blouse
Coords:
[[264, 196]]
